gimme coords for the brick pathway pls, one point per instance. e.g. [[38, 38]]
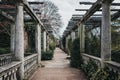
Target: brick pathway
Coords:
[[57, 69]]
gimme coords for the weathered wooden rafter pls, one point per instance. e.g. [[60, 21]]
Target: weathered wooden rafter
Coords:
[[97, 10], [7, 16], [83, 15], [115, 15], [36, 2], [91, 3]]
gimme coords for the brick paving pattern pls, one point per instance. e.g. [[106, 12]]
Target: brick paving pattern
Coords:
[[58, 69]]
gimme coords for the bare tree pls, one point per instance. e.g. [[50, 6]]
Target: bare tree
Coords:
[[49, 15]]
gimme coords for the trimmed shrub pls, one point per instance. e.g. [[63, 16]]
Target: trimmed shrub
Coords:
[[52, 46], [47, 55], [76, 58]]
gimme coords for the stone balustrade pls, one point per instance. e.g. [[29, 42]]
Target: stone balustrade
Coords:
[[10, 71], [6, 59], [30, 64], [111, 64]]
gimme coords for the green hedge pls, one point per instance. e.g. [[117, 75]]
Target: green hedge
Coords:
[[47, 55], [76, 58], [52, 46]]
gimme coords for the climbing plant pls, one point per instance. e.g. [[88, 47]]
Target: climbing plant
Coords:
[[93, 72]]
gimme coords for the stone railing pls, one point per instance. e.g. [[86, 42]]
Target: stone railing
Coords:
[[9, 72], [87, 57], [30, 64], [111, 64], [6, 59]]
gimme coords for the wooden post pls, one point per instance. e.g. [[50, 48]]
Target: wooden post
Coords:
[[38, 43], [106, 32], [19, 40], [12, 36], [82, 37], [44, 40]]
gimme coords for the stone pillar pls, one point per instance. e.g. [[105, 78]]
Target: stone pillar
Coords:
[[44, 40], [38, 42], [48, 42], [12, 38], [73, 35], [66, 43], [19, 40], [82, 37], [106, 32]]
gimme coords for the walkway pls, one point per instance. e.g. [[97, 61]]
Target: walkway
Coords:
[[57, 69]]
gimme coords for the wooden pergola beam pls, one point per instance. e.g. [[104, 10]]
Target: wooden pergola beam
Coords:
[[32, 14], [36, 2], [115, 15], [7, 16], [97, 10], [77, 15], [97, 5], [91, 3], [91, 11], [7, 3]]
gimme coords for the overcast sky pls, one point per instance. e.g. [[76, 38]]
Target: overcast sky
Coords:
[[67, 8]]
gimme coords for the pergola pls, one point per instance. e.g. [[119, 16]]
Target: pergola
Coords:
[[18, 14], [102, 20]]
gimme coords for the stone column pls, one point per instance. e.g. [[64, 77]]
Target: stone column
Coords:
[[82, 37], [19, 40], [44, 40], [106, 32], [12, 38], [66, 43], [48, 43], [73, 35], [38, 42]]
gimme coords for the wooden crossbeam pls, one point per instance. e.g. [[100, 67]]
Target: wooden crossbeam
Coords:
[[75, 15], [8, 9], [4, 14], [97, 10], [97, 5], [32, 14], [35, 2], [115, 15], [91, 3], [7, 3], [92, 10]]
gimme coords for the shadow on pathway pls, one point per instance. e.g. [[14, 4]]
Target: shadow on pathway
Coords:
[[58, 69]]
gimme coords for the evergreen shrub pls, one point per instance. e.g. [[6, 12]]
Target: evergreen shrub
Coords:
[[47, 55], [76, 59]]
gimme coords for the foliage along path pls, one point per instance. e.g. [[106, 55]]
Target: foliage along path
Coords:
[[57, 69]]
